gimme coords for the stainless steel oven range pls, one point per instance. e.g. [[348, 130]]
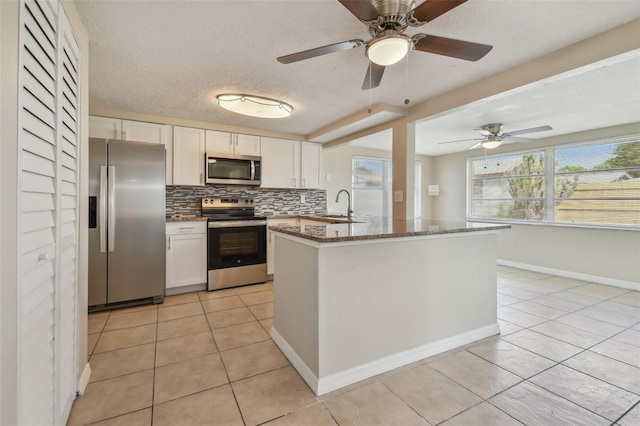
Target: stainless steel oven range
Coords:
[[236, 242]]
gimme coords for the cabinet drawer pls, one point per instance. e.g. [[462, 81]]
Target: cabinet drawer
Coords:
[[179, 228]]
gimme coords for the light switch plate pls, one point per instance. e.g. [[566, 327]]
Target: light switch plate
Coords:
[[398, 196]]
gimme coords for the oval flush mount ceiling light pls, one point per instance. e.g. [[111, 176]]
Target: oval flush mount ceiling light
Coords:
[[254, 106]]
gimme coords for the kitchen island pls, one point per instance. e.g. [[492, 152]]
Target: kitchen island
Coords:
[[352, 300]]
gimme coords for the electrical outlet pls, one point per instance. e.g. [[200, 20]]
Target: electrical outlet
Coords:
[[303, 199], [398, 196]]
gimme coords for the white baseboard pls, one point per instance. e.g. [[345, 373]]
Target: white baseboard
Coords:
[[570, 274], [83, 381], [303, 369], [323, 385]]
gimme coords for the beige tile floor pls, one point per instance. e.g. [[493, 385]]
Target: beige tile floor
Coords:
[[568, 354]]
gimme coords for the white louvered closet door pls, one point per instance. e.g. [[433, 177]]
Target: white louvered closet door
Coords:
[[47, 208]]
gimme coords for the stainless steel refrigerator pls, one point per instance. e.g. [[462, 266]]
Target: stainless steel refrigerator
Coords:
[[126, 222]]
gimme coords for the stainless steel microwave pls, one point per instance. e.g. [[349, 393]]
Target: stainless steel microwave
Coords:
[[228, 169]]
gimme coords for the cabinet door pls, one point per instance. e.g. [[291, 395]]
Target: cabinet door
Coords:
[[106, 128], [270, 240], [219, 142], [145, 132], [310, 165], [152, 133], [186, 260], [247, 145], [280, 163], [188, 156]]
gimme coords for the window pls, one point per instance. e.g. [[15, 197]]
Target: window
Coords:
[[595, 183], [509, 187], [598, 184], [371, 184]]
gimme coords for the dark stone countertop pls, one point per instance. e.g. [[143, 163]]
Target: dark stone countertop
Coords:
[[368, 228], [169, 219]]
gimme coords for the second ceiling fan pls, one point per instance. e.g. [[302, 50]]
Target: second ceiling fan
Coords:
[[387, 21], [492, 136]]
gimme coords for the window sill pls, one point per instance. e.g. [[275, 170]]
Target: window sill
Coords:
[[558, 224]]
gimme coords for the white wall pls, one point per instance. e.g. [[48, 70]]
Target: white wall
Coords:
[[601, 255], [337, 164]]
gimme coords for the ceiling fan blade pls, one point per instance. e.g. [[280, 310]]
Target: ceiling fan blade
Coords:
[[478, 145], [361, 9], [462, 140], [513, 139], [484, 132], [374, 71], [431, 9], [319, 51], [523, 131], [450, 47]]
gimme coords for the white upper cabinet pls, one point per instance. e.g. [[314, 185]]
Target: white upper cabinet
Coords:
[[114, 128], [280, 163], [188, 156], [232, 143], [291, 164], [140, 131], [310, 165], [105, 128], [146, 132]]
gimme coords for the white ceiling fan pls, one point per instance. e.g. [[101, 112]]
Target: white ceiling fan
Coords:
[[493, 138]]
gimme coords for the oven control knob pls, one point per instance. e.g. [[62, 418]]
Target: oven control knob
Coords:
[[246, 201], [251, 201]]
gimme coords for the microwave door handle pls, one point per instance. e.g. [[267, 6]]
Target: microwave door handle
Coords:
[[253, 170]]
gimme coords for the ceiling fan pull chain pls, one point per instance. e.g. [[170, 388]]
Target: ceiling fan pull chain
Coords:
[[406, 79], [370, 110]]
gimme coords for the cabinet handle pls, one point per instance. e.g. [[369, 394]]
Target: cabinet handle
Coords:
[[186, 227], [294, 182], [201, 179], [124, 135], [303, 183], [169, 243]]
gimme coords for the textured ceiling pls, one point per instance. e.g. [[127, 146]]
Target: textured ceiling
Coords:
[[172, 58]]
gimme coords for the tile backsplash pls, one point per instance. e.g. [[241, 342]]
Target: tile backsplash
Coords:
[[184, 201]]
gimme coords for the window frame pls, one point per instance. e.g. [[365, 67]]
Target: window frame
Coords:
[[549, 176], [388, 172]]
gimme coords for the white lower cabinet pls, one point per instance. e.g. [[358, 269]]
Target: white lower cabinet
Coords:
[[186, 256], [270, 242]]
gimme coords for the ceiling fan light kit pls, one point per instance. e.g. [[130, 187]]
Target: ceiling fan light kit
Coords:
[[491, 143], [254, 106], [388, 49]]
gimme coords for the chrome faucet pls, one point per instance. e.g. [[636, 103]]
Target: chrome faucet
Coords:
[[349, 211]]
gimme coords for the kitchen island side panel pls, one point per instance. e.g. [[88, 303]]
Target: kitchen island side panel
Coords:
[[381, 299], [295, 293]]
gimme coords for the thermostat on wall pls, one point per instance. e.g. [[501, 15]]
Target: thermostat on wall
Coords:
[[433, 190]]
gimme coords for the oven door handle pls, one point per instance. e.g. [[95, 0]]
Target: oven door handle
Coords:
[[237, 223]]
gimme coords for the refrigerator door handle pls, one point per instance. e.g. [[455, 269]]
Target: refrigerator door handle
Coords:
[[111, 217], [102, 195]]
